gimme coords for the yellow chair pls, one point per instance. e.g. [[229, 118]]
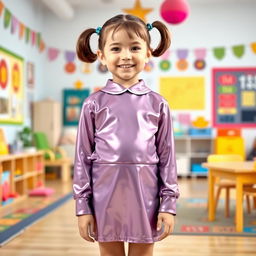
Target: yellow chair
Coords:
[[226, 184]]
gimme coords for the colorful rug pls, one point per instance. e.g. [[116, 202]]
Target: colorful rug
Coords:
[[192, 219], [35, 208]]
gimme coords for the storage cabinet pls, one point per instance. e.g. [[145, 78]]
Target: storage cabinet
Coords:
[[191, 151], [47, 118], [20, 173]]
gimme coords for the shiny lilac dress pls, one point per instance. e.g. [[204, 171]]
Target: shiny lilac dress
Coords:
[[125, 166]]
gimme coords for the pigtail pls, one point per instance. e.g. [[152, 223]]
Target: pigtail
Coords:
[[165, 40], [83, 48]]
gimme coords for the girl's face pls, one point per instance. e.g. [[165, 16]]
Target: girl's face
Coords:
[[124, 57]]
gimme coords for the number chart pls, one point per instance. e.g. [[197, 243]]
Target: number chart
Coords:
[[234, 97]]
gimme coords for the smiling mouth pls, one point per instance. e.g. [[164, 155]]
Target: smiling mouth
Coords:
[[126, 66]]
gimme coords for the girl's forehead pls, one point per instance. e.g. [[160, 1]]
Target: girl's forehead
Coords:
[[121, 35]]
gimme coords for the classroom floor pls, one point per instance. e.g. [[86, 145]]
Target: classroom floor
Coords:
[[57, 234]]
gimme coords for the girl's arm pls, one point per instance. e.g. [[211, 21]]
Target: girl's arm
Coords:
[[82, 191], [169, 191]]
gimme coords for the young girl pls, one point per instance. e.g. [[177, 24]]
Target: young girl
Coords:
[[125, 158]]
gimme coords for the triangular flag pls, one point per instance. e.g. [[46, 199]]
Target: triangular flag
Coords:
[[219, 52], [200, 53], [253, 46], [21, 30], [238, 50], [70, 56], [27, 34], [1, 7], [33, 37], [42, 46], [38, 39], [182, 53], [15, 24], [52, 53], [7, 18]]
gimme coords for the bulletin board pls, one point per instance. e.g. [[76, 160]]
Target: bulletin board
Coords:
[[234, 97], [11, 87], [184, 93], [73, 102]]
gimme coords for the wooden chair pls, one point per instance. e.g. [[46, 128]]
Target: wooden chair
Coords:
[[226, 184], [250, 191]]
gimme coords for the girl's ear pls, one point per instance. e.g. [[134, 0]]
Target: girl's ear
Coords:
[[149, 54], [101, 57]]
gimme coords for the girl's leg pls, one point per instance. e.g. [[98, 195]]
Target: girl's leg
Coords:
[[136, 249], [112, 249]]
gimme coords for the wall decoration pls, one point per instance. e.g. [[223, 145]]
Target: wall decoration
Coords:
[[238, 50], [70, 66], [78, 84], [165, 65], [11, 87], [149, 66], [86, 68], [182, 63], [72, 105], [234, 97], [30, 75], [102, 68], [52, 53], [200, 55], [174, 11], [138, 10], [178, 91]]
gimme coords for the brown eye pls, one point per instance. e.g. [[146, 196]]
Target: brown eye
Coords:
[[115, 49], [136, 48]]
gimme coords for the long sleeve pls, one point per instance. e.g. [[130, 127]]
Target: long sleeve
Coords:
[[169, 190], [82, 191]]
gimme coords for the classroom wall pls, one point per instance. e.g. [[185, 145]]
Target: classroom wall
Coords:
[[31, 15], [209, 25]]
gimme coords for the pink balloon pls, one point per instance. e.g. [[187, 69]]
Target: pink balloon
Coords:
[[174, 11]]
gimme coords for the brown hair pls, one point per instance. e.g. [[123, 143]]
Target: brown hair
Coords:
[[131, 24]]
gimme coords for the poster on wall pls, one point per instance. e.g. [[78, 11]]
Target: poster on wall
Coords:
[[178, 91], [73, 102], [234, 97], [11, 87]]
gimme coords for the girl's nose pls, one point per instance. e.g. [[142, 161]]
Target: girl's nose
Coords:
[[126, 54]]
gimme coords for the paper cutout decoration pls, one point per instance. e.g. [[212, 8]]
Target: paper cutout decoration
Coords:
[[182, 63], [219, 52], [52, 53], [253, 46], [1, 8], [166, 55], [78, 84], [200, 122], [138, 10], [21, 30], [174, 11], [70, 66], [165, 65], [14, 24], [200, 54], [102, 68], [3, 74], [238, 50], [7, 18], [149, 66], [86, 68]]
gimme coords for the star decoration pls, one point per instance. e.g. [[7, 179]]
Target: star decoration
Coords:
[[138, 10], [78, 84]]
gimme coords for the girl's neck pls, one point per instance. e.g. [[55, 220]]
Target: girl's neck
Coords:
[[127, 83]]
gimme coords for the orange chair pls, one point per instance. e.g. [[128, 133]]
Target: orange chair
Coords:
[[226, 184]]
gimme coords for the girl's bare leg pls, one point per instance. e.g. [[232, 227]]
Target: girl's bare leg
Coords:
[[112, 249], [140, 249]]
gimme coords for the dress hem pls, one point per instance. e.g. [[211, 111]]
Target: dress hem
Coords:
[[127, 239]]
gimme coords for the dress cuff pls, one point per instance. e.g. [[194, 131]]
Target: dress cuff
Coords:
[[168, 204], [82, 206]]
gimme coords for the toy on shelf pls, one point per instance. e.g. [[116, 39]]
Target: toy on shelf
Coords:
[[3, 146], [7, 196], [229, 141], [199, 127]]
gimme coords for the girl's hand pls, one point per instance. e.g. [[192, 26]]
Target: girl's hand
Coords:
[[87, 225], [167, 219]]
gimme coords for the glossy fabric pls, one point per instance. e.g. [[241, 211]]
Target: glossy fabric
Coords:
[[125, 162]]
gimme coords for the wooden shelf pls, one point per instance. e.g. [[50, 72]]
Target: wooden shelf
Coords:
[[30, 166]]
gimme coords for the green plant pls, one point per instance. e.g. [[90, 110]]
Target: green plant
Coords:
[[26, 136]]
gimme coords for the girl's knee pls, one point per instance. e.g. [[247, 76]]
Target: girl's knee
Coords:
[[142, 249], [112, 249]]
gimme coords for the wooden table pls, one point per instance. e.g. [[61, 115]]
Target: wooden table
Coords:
[[242, 173]]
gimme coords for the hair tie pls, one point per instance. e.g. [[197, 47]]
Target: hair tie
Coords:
[[149, 26], [97, 30]]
